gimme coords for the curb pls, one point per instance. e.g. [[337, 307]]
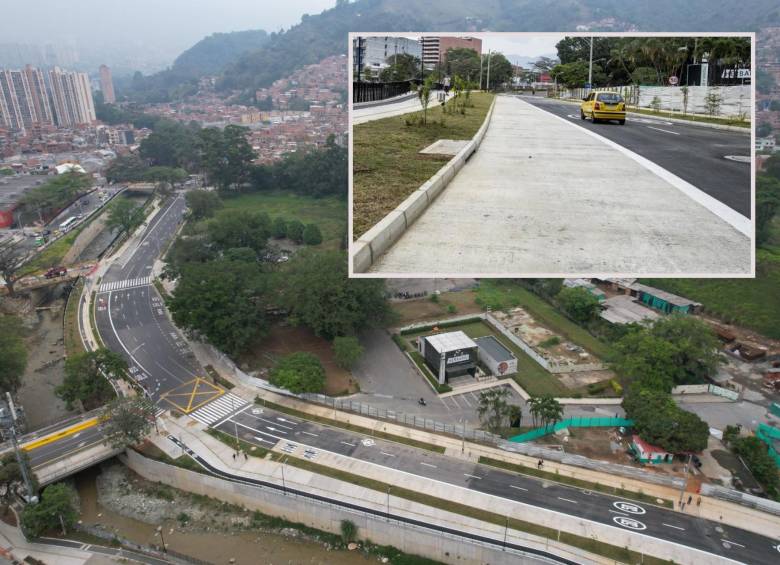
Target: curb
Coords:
[[675, 120], [389, 229], [386, 101]]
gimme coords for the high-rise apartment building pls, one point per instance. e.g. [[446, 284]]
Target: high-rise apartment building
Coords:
[[24, 101], [434, 49], [71, 98], [28, 99], [107, 85]]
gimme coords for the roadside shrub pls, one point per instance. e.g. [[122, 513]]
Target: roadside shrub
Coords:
[[299, 372], [616, 386], [348, 531], [550, 342], [312, 235]]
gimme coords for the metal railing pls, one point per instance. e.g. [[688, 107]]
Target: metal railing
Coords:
[[375, 91], [459, 431]]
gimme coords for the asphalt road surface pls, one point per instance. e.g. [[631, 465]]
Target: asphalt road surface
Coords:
[[132, 319], [265, 427], [697, 154]]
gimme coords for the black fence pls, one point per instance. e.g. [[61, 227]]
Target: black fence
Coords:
[[374, 91]]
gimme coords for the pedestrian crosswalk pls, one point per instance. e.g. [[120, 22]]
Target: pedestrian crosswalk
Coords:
[[218, 409], [128, 283]]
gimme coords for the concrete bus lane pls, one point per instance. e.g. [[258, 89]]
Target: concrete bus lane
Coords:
[[265, 427]]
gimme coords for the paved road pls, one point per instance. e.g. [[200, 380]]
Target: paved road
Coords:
[[132, 320], [692, 152], [393, 107], [545, 197], [265, 427]]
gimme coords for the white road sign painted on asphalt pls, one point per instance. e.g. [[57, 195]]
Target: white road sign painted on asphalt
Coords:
[[629, 507], [629, 523]]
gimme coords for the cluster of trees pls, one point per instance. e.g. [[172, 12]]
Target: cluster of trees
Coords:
[[47, 199], [545, 410], [756, 456], [124, 215], [675, 350], [86, 378], [13, 354], [495, 411], [579, 304], [641, 60], [56, 509]]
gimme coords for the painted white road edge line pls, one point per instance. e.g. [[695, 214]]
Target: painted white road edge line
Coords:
[[731, 217]]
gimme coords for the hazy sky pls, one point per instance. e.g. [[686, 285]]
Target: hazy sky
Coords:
[[513, 45], [163, 25]]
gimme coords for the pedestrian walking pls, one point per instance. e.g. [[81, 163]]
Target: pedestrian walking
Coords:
[[539, 464], [682, 506], [234, 457], [690, 499], [698, 501], [246, 457]]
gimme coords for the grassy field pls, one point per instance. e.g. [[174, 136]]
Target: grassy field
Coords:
[[752, 303], [499, 295], [692, 118], [73, 343], [330, 213], [387, 166], [530, 375]]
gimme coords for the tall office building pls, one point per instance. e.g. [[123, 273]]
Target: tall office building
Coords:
[[107, 85], [24, 100], [434, 49], [71, 98], [373, 52]]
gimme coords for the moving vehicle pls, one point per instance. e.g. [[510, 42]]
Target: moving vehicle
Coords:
[[56, 272], [603, 106], [68, 223]]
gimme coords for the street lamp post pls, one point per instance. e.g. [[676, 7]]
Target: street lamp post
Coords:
[[590, 66], [463, 436], [487, 87], [388, 503], [284, 484], [685, 482], [235, 425], [480, 71]]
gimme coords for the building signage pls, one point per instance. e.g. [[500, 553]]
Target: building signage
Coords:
[[458, 358], [502, 367], [735, 73]]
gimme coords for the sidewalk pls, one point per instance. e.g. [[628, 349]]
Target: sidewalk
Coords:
[[11, 539], [543, 196]]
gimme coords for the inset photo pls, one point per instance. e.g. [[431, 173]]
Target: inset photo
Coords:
[[551, 155]]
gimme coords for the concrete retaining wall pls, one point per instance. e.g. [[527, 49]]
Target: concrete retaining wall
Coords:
[[389, 229]]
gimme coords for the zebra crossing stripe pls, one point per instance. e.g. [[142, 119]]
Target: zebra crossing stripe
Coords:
[[218, 409], [129, 283]]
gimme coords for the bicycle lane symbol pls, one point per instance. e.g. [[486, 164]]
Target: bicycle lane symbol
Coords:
[[629, 523], [629, 507]]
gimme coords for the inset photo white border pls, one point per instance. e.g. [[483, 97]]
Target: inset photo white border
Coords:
[[479, 224]]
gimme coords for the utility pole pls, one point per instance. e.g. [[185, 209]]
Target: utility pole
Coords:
[[162, 539], [488, 71], [480, 71], [31, 496], [388, 503], [235, 425], [359, 57], [685, 482], [590, 65]]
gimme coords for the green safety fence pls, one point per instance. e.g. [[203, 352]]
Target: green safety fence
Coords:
[[572, 423], [775, 409], [769, 436]]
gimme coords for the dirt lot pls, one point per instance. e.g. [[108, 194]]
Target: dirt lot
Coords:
[[414, 311], [283, 340]]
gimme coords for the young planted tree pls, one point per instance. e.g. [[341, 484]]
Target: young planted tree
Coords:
[[424, 92]]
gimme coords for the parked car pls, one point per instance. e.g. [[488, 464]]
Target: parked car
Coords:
[[56, 272], [603, 106]]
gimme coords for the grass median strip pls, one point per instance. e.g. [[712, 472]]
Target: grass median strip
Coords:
[[73, 343], [571, 481], [350, 427], [387, 165]]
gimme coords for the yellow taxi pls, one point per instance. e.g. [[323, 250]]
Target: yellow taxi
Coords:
[[603, 106]]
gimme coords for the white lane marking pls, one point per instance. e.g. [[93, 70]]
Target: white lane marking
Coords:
[[728, 541], [272, 422], [427, 464], [387, 454], [629, 523], [567, 500], [663, 130], [447, 406], [518, 488], [455, 402], [728, 215], [263, 440], [471, 476], [309, 434], [121, 343], [675, 527], [349, 444]]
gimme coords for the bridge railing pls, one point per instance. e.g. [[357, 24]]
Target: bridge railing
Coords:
[[375, 91]]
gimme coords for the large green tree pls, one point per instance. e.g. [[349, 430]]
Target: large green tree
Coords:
[[56, 509], [401, 67], [464, 63], [203, 203], [676, 350], [126, 168], [319, 294], [500, 70], [124, 215], [13, 353], [127, 421], [172, 144], [222, 301], [226, 156], [347, 350], [659, 421], [239, 228], [579, 304], [11, 477], [299, 372], [493, 409], [86, 378]]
